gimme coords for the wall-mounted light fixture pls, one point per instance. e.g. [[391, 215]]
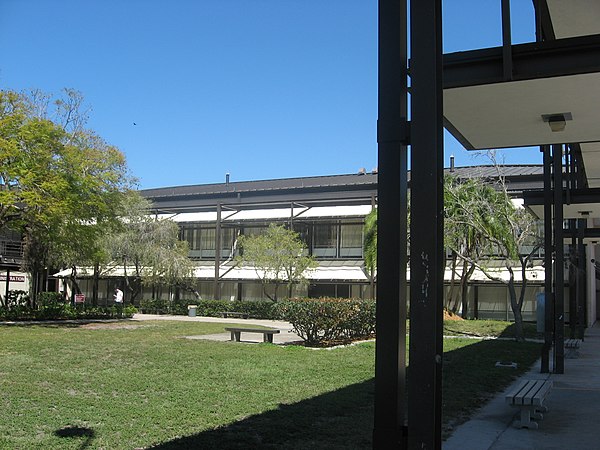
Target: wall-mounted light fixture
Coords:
[[557, 121]]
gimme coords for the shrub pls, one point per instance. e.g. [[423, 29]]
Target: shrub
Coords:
[[17, 298], [329, 319], [210, 308], [52, 306]]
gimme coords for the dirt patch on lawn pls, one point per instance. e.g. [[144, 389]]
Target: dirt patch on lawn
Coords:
[[449, 315]]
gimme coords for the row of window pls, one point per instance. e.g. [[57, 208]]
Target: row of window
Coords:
[[323, 240]]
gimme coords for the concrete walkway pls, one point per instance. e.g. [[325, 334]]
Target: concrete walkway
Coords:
[[571, 423], [286, 336]]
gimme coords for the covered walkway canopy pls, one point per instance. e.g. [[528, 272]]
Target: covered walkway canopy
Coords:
[[544, 95]]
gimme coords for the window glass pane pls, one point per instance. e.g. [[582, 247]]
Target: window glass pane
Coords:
[[325, 240], [226, 241], [207, 242], [321, 290], [207, 238], [251, 231], [351, 240]]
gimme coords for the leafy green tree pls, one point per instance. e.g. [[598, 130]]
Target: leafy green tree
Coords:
[[278, 256], [504, 233], [59, 182], [147, 249], [464, 241]]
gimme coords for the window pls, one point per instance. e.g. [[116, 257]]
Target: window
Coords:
[[207, 242], [351, 241], [191, 234], [227, 235], [325, 240]]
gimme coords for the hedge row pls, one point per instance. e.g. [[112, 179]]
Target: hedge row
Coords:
[[52, 306], [329, 319], [209, 308]]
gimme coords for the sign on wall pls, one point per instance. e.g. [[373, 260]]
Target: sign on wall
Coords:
[[13, 278]]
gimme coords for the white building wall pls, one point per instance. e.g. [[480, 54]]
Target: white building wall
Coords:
[[18, 281]]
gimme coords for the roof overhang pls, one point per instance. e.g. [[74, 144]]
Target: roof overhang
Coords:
[[484, 110], [578, 203]]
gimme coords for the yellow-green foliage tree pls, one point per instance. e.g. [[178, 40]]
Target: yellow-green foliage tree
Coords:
[[59, 182], [278, 256]]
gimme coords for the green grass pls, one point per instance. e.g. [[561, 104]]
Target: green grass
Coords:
[[489, 328], [138, 385]]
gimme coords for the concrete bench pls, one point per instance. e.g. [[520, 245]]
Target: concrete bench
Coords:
[[572, 343], [267, 333], [529, 396], [239, 315]]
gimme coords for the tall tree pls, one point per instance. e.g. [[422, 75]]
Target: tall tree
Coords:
[[464, 241], [59, 181], [147, 249], [507, 234], [278, 256]]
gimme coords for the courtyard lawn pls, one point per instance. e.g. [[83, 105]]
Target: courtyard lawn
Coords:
[[133, 385]]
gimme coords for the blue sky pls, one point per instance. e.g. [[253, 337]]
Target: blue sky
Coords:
[[257, 88]]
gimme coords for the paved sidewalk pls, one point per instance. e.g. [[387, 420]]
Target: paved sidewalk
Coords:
[[571, 422], [286, 336]]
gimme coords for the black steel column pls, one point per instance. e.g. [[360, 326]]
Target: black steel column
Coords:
[[427, 259], [581, 279], [573, 285], [392, 130], [507, 66], [217, 282], [7, 286], [559, 263], [548, 308]]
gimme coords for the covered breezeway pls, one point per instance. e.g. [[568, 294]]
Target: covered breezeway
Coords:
[[542, 95]]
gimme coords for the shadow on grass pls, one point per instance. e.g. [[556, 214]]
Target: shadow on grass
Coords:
[[529, 331], [73, 432], [61, 323], [343, 419]]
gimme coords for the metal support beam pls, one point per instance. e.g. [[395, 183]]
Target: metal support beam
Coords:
[[576, 196], [573, 283], [548, 322], [581, 279], [506, 41], [217, 282], [559, 264], [390, 353], [427, 259], [562, 57]]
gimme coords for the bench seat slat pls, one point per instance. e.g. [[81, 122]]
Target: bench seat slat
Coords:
[[252, 330], [536, 395], [520, 396]]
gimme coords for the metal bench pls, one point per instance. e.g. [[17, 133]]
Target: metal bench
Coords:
[[239, 315], [529, 396], [572, 343], [267, 333]]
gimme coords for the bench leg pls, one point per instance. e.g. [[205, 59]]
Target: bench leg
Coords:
[[268, 337], [529, 412], [236, 336], [526, 421]]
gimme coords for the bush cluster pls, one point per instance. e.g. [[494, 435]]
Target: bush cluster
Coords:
[[52, 306], [329, 319], [209, 308]]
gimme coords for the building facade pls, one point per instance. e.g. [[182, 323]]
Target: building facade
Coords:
[[328, 213]]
